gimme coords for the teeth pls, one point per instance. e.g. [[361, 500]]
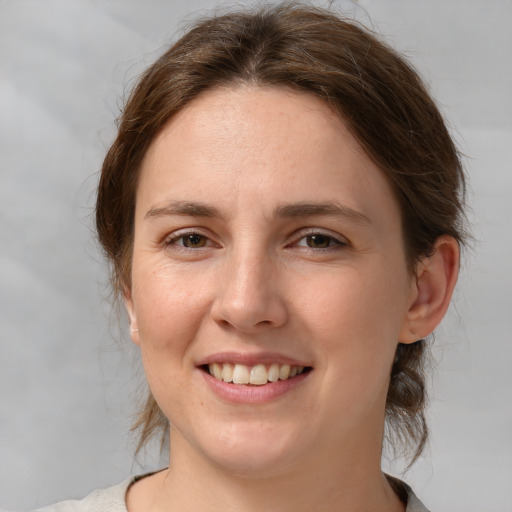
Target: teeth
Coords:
[[257, 375], [227, 373], [284, 371], [216, 370], [273, 372], [241, 374]]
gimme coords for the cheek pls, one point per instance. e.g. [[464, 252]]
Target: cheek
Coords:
[[366, 307], [169, 306], [354, 323], [170, 310], [356, 319]]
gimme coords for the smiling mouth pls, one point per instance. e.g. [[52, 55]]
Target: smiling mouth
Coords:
[[257, 375]]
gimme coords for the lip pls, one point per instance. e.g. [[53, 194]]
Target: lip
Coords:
[[246, 393], [250, 394], [251, 359]]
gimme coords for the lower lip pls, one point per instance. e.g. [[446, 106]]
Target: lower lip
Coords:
[[251, 394]]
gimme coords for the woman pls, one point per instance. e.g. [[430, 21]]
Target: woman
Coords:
[[282, 208]]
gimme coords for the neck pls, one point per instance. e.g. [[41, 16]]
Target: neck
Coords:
[[352, 481]]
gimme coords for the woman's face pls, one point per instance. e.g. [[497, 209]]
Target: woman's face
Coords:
[[266, 240]]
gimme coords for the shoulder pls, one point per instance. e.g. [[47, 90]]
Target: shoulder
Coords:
[[406, 495], [413, 503], [111, 499]]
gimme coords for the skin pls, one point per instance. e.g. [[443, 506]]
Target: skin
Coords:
[[253, 282]]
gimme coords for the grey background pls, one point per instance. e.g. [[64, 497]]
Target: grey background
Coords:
[[69, 380]]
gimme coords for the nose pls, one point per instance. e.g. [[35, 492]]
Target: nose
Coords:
[[250, 298]]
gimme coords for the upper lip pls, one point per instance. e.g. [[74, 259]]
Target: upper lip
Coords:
[[251, 358]]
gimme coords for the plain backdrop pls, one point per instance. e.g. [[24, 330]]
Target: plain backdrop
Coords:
[[69, 380]]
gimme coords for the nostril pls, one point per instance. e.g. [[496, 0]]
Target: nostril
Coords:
[[249, 308]]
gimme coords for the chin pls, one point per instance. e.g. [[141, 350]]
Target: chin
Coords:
[[256, 451], [251, 463]]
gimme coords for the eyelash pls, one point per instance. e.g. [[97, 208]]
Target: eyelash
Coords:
[[333, 242], [171, 241]]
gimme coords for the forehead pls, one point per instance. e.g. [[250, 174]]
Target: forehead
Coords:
[[249, 117], [249, 110], [244, 144]]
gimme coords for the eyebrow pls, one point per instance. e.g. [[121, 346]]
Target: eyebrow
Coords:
[[329, 208], [300, 209], [189, 208]]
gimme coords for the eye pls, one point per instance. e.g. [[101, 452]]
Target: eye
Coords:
[[189, 241], [320, 241], [193, 241]]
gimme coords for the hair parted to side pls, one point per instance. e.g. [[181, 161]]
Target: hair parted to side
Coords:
[[377, 93]]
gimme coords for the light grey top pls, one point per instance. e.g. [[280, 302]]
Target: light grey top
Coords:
[[113, 500]]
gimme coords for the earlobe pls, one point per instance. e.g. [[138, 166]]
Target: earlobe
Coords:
[[128, 303], [432, 290]]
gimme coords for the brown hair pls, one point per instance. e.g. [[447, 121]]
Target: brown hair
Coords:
[[380, 97]]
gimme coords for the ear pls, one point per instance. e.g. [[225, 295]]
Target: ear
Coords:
[[134, 327], [431, 290]]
